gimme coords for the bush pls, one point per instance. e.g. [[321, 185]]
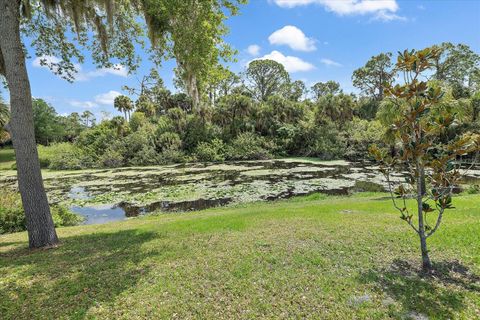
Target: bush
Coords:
[[63, 217], [170, 144], [111, 158], [361, 134], [473, 189], [321, 140], [211, 151], [328, 144], [64, 156], [196, 132], [137, 120], [168, 141], [147, 155], [98, 139], [12, 217], [138, 148], [249, 146], [169, 156], [164, 124]]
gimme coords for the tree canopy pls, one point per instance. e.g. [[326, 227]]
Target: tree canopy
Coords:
[[371, 78], [266, 78]]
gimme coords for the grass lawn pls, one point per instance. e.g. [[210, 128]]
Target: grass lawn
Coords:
[[7, 158], [314, 257]]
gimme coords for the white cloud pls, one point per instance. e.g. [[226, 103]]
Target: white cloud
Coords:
[[330, 63], [253, 50], [387, 16], [349, 7], [292, 37], [292, 3], [82, 104], [51, 62], [106, 98], [382, 9], [291, 64], [116, 70]]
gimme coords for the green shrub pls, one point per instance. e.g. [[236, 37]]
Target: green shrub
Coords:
[[64, 156], [137, 120], [249, 146], [361, 134], [63, 217], [328, 144], [169, 156], [322, 140], [12, 217], [147, 155], [138, 148], [197, 131], [168, 141], [286, 139], [473, 189], [111, 158], [211, 151], [99, 138], [164, 124]]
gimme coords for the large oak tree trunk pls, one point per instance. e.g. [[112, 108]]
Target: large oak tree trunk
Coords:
[[40, 226]]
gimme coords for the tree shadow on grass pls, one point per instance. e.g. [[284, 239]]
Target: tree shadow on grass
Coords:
[[84, 272], [6, 244], [439, 294]]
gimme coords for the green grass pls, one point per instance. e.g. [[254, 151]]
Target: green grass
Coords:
[[314, 257], [7, 158]]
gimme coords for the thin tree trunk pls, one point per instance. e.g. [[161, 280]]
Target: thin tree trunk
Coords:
[[380, 93], [194, 94], [426, 264], [40, 226]]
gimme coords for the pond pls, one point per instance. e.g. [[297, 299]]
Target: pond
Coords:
[[116, 194]]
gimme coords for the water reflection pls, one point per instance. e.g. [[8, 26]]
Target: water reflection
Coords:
[[100, 213], [107, 213]]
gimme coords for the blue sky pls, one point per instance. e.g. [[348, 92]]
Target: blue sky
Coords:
[[317, 40]]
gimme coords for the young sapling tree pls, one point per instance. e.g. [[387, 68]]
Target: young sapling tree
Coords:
[[432, 161]]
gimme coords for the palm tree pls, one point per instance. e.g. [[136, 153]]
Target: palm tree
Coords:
[[129, 107], [87, 116], [119, 124], [145, 105], [123, 104]]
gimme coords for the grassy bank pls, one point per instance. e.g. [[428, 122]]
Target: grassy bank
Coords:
[[314, 257], [7, 158]]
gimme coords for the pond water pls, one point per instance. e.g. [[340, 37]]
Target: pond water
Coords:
[[97, 214], [116, 194]]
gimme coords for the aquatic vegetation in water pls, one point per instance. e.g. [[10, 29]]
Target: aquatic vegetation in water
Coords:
[[122, 192]]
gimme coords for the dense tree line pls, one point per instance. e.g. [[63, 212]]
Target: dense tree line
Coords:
[[258, 114]]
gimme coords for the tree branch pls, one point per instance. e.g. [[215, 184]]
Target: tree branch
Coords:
[[392, 196], [439, 220]]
